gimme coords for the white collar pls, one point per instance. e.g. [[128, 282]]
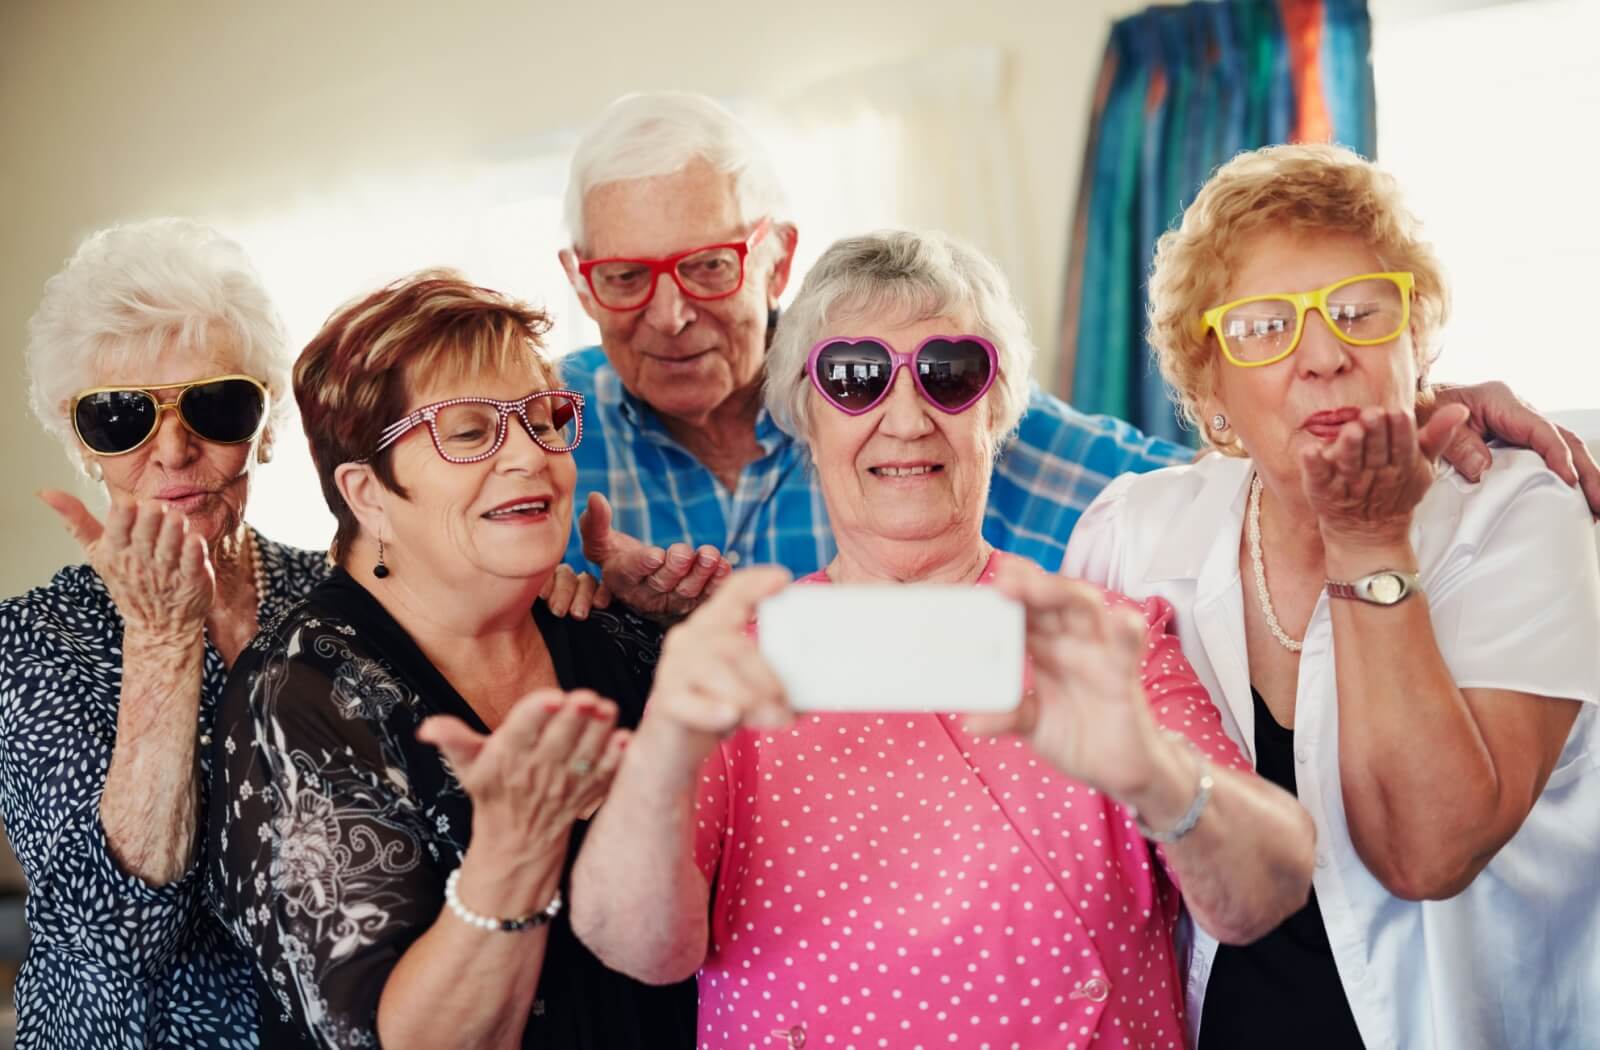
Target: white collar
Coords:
[[1202, 542]]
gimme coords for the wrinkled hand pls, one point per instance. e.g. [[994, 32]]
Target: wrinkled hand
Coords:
[[549, 764], [1494, 410], [156, 569], [1087, 713], [1365, 483], [668, 583], [712, 678], [574, 594]]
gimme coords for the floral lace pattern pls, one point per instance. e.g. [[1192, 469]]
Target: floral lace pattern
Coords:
[[326, 825], [332, 827]]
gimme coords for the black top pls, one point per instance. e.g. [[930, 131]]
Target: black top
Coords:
[[332, 828], [1284, 989], [113, 962]]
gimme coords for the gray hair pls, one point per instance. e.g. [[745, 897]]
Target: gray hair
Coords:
[[134, 290], [908, 277], [658, 133]]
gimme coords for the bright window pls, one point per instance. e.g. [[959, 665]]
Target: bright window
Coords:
[[1488, 118]]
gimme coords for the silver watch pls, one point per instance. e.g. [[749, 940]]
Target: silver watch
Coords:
[[1385, 587]]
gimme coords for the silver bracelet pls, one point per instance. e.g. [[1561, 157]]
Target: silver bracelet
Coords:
[[486, 922], [1187, 822]]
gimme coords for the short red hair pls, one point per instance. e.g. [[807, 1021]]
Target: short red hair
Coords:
[[360, 372]]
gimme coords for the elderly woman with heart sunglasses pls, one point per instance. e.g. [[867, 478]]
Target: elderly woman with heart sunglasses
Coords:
[[1412, 654], [159, 361], [914, 880]]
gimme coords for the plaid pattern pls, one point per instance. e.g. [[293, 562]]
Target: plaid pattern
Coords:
[[1048, 474]]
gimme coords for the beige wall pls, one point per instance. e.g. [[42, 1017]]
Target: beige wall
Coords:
[[116, 111]]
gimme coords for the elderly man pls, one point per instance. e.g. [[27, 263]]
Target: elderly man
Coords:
[[680, 254]]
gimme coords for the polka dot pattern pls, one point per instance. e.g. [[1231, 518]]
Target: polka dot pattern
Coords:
[[892, 881], [113, 963]]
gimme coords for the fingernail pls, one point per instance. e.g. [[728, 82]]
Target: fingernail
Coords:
[[708, 560], [680, 561]]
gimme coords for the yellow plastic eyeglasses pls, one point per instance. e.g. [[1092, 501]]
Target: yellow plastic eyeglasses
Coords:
[[1363, 310]]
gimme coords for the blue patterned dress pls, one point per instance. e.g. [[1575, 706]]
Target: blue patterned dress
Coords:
[[113, 962]]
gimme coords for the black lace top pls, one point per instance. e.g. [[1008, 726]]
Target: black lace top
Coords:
[[332, 828]]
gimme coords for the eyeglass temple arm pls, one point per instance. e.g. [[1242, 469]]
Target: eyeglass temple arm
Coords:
[[394, 431]]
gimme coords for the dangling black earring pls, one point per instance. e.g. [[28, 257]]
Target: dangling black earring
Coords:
[[380, 570]]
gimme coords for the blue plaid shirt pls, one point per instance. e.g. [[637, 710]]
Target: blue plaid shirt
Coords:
[[1048, 473]]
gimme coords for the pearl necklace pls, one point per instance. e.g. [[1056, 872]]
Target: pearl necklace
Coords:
[[258, 571], [1253, 533]]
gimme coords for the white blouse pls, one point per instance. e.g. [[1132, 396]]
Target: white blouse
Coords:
[[1509, 567]]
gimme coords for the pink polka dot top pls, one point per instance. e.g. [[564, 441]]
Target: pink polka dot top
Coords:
[[892, 881]]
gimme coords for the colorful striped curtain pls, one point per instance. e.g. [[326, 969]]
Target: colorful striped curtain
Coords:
[[1181, 90]]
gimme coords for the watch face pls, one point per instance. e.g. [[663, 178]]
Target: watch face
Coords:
[[1386, 588]]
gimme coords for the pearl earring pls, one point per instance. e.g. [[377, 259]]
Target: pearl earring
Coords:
[[1219, 422], [264, 454], [96, 473]]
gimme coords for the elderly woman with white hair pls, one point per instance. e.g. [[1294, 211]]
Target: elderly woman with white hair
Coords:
[[158, 359], [914, 880]]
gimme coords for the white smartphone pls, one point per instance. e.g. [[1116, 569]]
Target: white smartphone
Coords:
[[911, 647]]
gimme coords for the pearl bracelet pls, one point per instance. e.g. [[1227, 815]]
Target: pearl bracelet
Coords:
[[485, 922]]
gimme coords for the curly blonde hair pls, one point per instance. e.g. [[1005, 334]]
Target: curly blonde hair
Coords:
[[1308, 188]]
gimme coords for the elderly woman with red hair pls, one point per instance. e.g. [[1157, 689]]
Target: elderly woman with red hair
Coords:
[[404, 761]]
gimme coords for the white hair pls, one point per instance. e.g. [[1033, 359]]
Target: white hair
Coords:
[[133, 291], [658, 133], [901, 276]]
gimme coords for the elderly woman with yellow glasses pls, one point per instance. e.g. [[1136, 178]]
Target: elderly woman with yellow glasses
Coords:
[[1411, 654]]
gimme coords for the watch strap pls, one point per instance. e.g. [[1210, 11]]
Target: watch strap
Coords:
[[1362, 589]]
